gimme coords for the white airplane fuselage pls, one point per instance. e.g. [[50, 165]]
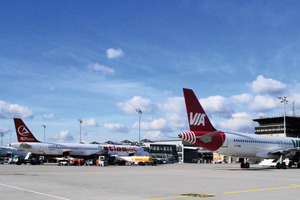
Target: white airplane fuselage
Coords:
[[77, 150], [27, 142], [10, 151], [250, 145]]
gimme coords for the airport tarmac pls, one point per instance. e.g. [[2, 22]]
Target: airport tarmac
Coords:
[[169, 181]]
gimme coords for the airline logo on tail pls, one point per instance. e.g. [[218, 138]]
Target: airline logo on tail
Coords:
[[198, 119], [22, 130], [202, 133]]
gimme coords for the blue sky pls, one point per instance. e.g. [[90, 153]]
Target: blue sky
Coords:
[[61, 61]]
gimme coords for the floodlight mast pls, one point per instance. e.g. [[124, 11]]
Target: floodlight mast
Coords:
[[2, 134], [80, 121], [284, 101], [44, 131], [139, 111]]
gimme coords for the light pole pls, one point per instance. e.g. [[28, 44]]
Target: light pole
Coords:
[[139, 111], [2, 138], [44, 131], [284, 101], [80, 121]]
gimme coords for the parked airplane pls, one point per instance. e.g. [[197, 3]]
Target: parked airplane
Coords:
[[251, 147], [10, 151], [28, 143]]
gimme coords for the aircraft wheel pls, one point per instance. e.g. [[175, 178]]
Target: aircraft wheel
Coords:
[[283, 165], [298, 165], [278, 165], [245, 165], [242, 165]]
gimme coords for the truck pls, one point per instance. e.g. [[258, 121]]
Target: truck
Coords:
[[138, 160], [102, 162], [31, 159]]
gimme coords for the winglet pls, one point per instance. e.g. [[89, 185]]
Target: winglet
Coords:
[[23, 132]]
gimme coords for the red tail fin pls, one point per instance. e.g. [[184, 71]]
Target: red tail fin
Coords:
[[23, 132], [198, 119]]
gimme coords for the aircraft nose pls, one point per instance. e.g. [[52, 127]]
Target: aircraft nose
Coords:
[[180, 135]]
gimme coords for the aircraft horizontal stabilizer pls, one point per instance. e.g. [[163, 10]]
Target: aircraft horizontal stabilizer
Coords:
[[208, 137]]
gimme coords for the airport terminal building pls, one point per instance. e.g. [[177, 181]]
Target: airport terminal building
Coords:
[[177, 151]]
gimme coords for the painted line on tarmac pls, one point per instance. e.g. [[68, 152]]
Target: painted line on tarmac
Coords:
[[233, 192], [257, 190], [177, 197], [31, 191]]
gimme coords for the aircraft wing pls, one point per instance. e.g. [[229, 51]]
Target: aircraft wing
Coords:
[[277, 152], [285, 151]]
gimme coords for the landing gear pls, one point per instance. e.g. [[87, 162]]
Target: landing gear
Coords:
[[245, 165], [280, 164], [290, 164]]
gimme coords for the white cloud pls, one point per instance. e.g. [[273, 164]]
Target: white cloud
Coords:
[[89, 122], [114, 53], [8, 111], [49, 116], [268, 86], [217, 105], [154, 135], [263, 103], [100, 68], [175, 105], [295, 98], [238, 122], [138, 102], [117, 128], [157, 124], [177, 120], [242, 98], [63, 136]]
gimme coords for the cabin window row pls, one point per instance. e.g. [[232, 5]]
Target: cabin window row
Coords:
[[260, 142], [72, 148]]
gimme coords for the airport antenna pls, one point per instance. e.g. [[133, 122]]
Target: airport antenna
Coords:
[[293, 108]]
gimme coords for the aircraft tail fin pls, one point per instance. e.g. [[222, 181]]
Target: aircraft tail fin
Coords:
[[198, 120], [23, 132]]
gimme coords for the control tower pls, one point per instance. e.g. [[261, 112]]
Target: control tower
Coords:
[[275, 126]]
